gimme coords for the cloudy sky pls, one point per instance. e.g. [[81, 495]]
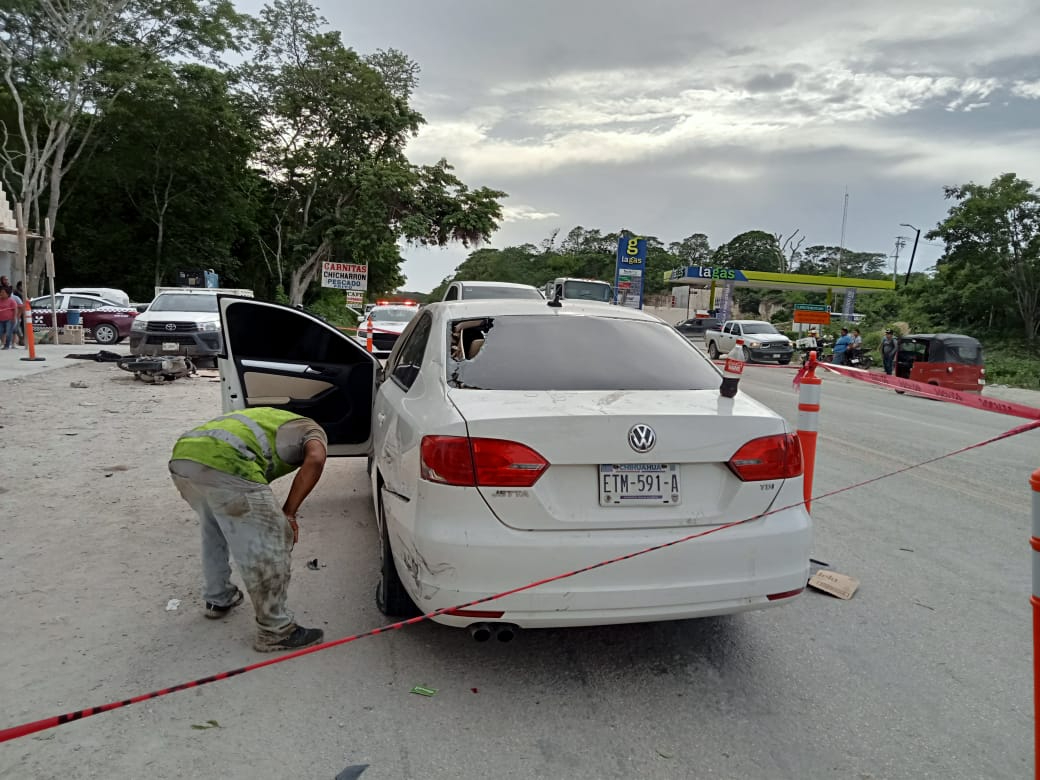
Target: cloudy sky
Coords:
[[672, 117]]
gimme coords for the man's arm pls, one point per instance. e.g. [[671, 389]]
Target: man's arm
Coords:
[[304, 481]]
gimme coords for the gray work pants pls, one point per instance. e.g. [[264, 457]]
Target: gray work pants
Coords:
[[249, 523]]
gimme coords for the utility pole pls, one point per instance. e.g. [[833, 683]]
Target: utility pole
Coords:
[[913, 252], [900, 243], [844, 219]]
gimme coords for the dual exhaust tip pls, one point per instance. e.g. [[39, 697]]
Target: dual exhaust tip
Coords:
[[482, 632]]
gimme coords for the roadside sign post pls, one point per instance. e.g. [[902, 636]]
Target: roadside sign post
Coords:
[[629, 271], [48, 257], [812, 314], [351, 277]]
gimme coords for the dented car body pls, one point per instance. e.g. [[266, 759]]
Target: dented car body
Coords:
[[496, 461]]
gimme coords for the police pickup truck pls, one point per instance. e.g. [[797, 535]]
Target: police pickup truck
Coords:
[[761, 341]]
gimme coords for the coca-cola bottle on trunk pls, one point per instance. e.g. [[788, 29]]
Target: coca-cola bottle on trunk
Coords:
[[732, 369]]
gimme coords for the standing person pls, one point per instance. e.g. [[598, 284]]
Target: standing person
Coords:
[[19, 323], [888, 351], [841, 346], [223, 469], [8, 315], [855, 346]]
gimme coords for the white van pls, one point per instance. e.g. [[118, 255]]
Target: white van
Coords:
[[579, 289], [108, 293]]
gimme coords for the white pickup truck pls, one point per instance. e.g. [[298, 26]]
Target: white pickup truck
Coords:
[[761, 341]]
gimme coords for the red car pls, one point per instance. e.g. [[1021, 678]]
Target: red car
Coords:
[[104, 321]]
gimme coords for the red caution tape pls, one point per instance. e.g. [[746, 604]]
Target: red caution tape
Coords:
[[974, 400], [25, 729]]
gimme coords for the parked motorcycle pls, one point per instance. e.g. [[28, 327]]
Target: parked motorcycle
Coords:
[[861, 359]]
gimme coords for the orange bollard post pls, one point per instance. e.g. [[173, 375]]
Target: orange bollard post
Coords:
[[368, 337], [1034, 542], [30, 337], [809, 425]]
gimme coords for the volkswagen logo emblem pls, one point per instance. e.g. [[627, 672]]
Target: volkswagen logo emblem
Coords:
[[171, 326], [642, 438]]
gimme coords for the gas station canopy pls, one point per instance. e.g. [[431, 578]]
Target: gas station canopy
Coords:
[[703, 276]]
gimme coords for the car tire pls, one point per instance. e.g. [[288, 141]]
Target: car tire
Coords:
[[784, 362], [391, 597], [713, 351], [747, 355], [106, 333]]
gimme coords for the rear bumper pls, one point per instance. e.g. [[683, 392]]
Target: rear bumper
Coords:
[[458, 552]]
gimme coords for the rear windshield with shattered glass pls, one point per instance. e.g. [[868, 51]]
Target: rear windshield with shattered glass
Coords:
[[562, 352]]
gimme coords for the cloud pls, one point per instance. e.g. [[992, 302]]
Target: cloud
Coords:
[[770, 82], [521, 213], [1026, 89]]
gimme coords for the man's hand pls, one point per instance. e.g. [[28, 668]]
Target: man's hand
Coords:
[[305, 480]]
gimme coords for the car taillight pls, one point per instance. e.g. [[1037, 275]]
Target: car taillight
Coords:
[[458, 460], [771, 457]]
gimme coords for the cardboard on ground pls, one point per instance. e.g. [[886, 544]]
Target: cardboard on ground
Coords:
[[840, 585]]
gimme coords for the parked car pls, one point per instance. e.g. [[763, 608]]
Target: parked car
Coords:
[[108, 293], [497, 462], [464, 291], [697, 326], [949, 360], [386, 321], [104, 321]]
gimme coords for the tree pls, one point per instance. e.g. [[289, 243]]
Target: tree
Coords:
[[65, 62], [171, 163], [334, 128], [992, 238], [824, 261], [692, 250], [754, 250]]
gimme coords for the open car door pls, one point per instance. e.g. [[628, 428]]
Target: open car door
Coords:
[[287, 359]]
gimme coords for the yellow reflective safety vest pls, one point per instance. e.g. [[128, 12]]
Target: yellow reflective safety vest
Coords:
[[241, 443]]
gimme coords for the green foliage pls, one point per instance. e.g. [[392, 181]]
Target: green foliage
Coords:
[[990, 274], [754, 250], [171, 158]]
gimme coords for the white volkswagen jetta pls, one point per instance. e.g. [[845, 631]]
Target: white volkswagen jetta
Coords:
[[511, 441]]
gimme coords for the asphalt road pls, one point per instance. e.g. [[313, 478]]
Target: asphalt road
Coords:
[[925, 673]]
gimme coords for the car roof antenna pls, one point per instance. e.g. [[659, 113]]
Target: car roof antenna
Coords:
[[555, 302]]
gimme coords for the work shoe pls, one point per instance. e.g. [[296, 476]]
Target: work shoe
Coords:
[[300, 638], [214, 611]]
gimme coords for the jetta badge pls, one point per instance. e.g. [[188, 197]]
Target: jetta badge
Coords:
[[642, 438]]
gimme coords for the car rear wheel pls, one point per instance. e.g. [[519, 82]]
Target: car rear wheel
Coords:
[[391, 597], [106, 333], [713, 351]]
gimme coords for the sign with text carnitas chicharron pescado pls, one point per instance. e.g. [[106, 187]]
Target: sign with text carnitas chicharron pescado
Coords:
[[344, 276]]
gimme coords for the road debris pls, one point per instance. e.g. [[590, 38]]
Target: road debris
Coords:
[[209, 724], [172, 604], [424, 691], [352, 772], [79, 384], [313, 564], [834, 583]]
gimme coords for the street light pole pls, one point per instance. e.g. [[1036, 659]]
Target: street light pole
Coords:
[[913, 252]]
